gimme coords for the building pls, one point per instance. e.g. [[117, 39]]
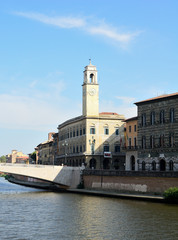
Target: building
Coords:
[[45, 152], [158, 133], [17, 157], [93, 138], [131, 145]]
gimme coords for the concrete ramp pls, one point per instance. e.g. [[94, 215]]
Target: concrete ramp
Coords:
[[68, 176]]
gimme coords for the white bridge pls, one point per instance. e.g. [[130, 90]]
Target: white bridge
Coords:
[[62, 175]]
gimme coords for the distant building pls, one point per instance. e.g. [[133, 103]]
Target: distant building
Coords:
[[17, 157], [131, 146], [44, 151], [93, 138], [158, 133]]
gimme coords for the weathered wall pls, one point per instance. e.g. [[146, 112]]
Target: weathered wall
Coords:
[[130, 183]]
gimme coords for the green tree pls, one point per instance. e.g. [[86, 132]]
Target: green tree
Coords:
[[3, 159], [33, 156]]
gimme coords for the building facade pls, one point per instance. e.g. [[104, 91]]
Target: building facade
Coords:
[[45, 152], [94, 138], [131, 146], [158, 133], [17, 157]]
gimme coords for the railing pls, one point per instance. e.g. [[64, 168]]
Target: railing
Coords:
[[101, 172]]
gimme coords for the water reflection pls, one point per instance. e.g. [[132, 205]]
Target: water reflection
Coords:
[[47, 215]]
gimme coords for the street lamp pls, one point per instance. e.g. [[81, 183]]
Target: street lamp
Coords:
[[92, 143], [65, 144]]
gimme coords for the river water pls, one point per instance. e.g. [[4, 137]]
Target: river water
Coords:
[[31, 214]]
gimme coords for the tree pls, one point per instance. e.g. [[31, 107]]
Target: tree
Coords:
[[33, 156], [3, 159]]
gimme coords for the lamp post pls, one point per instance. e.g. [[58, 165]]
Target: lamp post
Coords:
[[92, 143], [65, 144]]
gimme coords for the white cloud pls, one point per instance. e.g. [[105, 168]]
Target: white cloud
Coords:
[[94, 28], [126, 100], [126, 107], [62, 22]]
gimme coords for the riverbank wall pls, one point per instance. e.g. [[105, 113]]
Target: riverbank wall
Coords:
[[154, 183]]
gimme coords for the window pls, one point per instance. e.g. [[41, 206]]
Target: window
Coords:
[[172, 115], [117, 131], [130, 142], [152, 141], [80, 148], [77, 149], [80, 132], [171, 165], [171, 139], [70, 133], [135, 142], [161, 140], [84, 131], [106, 131], [143, 166], [73, 149], [130, 128], [135, 128], [162, 117], [106, 148], [77, 132], [143, 119], [152, 118], [153, 165], [92, 130], [143, 142], [117, 148], [74, 133]]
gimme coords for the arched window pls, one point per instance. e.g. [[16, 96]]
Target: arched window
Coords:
[[143, 166], [162, 116], [152, 118], [152, 141], [132, 163], [91, 78], [153, 165], [143, 119], [162, 165], [171, 165], [143, 142], [93, 163], [172, 115]]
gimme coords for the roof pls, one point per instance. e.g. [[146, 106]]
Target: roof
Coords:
[[161, 97], [131, 119], [108, 113]]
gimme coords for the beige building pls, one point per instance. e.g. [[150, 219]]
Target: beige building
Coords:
[[17, 157], [93, 138], [44, 151]]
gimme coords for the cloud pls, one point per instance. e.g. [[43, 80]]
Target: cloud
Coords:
[[62, 22], [93, 27], [126, 107], [126, 100]]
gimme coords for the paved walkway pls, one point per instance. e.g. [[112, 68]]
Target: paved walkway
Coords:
[[118, 195]]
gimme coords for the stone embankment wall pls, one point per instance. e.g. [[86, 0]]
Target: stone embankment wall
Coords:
[[136, 184]]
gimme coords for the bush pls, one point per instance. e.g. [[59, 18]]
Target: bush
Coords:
[[171, 195]]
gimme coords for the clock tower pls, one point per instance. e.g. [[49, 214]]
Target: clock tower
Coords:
[[90, 91]]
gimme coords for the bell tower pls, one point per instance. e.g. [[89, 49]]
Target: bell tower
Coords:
[[90, 91]]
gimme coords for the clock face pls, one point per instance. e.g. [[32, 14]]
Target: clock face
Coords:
[[92, 91]]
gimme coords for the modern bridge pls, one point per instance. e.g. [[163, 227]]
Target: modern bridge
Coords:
[[68, 177]]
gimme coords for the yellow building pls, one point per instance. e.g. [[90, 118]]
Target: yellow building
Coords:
[[131, 145], [93, 138], [17, 157]]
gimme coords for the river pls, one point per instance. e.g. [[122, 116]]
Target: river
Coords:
[[31, 214]]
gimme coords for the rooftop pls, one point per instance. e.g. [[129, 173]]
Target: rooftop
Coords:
[[161, 97]]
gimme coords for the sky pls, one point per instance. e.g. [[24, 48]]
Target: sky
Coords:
[[45, 45]]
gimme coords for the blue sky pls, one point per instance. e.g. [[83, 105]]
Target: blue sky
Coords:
[[45, 45]]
